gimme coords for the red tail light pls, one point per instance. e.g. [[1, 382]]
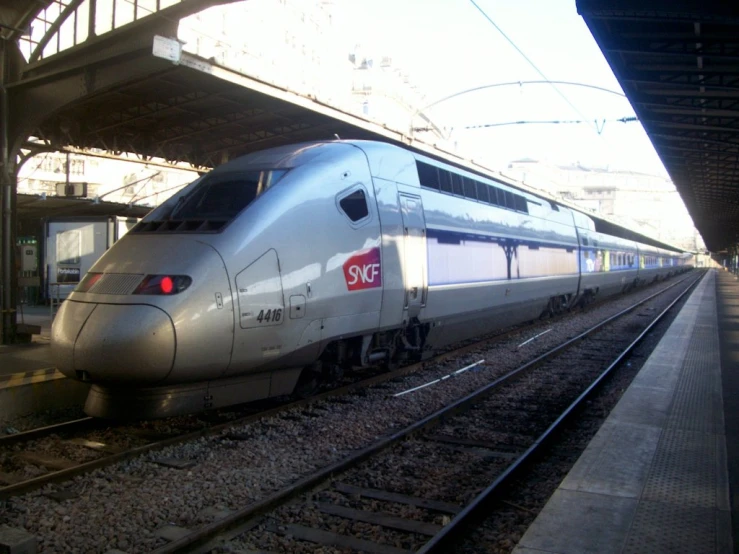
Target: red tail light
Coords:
[[163, 284], [87, 282]]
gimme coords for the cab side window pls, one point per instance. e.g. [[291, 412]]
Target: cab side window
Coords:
[[354, 205]]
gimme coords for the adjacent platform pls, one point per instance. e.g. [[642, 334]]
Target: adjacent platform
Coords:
[[655, 478], [31, 357], [29, 382]]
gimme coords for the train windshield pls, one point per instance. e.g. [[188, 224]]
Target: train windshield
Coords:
[[223, 196]]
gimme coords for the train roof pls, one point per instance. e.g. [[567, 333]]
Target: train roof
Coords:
[[602, 224]]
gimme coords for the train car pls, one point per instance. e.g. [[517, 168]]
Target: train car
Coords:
[[494, 255], [297, 263], [608, 264], [655, 263]]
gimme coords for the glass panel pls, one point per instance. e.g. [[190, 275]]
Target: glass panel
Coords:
[[68, 247], [470, 188], [457, 185], [483, 192], [123, 12], [224, 196], [103, 17], [428, 175], [445, 181], [355, 205], [509, 201]]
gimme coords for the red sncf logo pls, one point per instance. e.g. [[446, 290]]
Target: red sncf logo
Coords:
[[362, 271]]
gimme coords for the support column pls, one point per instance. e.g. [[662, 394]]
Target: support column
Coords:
[[8, 192]]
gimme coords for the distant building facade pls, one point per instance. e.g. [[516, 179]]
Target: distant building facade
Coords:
[[300, 45], [649, 204], [78, 175]]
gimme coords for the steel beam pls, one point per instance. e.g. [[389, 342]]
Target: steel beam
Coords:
[[7, 182]]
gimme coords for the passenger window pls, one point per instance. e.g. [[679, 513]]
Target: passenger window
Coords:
[[445, 181], [428, 175], [470, 188], [354, 205], [457, 185], [483, 192], [509, 201]]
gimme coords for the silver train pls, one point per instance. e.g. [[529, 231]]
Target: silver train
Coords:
[[294, 264]]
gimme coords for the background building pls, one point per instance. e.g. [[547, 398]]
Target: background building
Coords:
[[96, 178], [648, 204]]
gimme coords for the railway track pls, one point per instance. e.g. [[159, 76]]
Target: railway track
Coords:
[[83, 445], [56, 453], [413, 490]]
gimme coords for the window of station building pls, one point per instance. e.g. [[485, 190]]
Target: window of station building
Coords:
[[54, 164], [354, 205], [69, 247]]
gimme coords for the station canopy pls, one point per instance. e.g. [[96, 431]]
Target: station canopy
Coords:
[[678, 63], [131, 90]]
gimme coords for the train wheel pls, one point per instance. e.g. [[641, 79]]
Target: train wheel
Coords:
[[308, 382], [548, 311]]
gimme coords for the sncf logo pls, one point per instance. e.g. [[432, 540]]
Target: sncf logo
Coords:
[[362, 271]]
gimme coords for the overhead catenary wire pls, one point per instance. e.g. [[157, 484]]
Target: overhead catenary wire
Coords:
[[599, 123], [529, 61]]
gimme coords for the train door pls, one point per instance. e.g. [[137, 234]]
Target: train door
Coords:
[[414, 253]]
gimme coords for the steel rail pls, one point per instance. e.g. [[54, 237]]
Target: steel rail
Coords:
[[89, 422], [205, 538], [442, 541], [40, 432], [86, 467]]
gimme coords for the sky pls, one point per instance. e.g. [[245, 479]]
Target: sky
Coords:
[[450, 46]]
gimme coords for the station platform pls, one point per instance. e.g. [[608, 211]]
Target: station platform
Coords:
[[34, 356], [29, 382], [659, 475]]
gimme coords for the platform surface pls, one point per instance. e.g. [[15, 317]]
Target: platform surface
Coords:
[[655, 478], [34, 356]]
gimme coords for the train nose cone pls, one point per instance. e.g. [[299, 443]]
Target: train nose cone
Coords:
[[114, 343]]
